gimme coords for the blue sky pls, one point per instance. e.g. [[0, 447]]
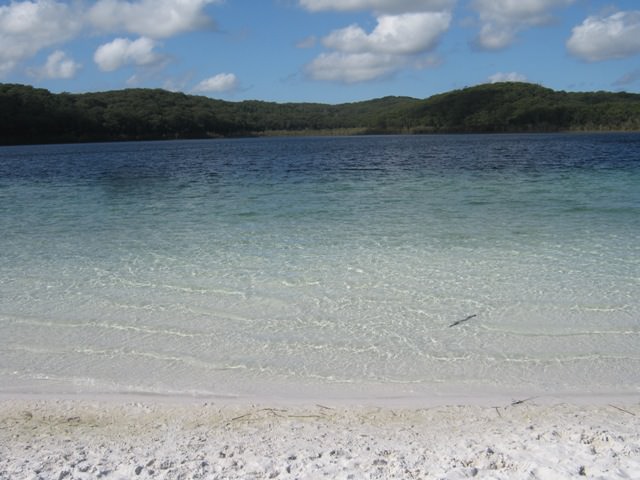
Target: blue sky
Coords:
[[329, 51]]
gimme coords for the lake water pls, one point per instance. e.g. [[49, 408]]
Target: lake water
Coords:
[[322, 266]]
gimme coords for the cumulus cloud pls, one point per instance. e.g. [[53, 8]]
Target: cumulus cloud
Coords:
[[501, 20], [381, 6], [359, 56], [28, 27], [58, 65], [399, 34], [604, 38], [150, 18], [222, 82], [507, 77], [122, 51], [352, 68]]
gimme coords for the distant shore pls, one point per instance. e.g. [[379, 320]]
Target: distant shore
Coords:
[[36, 115], [81, 439]]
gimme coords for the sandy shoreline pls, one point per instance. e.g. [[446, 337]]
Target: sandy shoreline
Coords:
[[92, 438]]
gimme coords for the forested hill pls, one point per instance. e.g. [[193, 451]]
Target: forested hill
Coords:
[[30, 115]]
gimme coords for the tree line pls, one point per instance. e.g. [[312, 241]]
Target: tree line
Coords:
[[33, 115]]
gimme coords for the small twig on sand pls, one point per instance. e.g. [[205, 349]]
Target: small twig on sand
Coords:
[[323, 407], [520, 402], [274, 411], [498, 411], [623, 410], [240, 417], [458, 322]]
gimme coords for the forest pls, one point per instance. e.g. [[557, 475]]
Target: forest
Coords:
[[34, 115]]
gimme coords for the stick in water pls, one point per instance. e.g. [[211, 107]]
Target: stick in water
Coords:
[[458, 322]]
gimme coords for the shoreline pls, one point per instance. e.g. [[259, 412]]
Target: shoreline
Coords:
[[322, 133], [367, 399], [166, 438]]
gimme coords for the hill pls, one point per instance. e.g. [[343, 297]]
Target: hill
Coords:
[[32, 115], [524, 107]]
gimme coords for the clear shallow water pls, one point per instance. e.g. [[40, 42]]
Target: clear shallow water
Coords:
[[322, 265]]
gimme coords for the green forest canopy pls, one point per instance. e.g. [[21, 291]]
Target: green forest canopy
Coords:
[[32, 115]]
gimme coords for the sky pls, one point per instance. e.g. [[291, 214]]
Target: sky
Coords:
[[328, 51]]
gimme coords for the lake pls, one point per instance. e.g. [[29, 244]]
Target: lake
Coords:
[[322, 267]]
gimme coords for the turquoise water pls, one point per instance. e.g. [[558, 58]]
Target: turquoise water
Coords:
[[310, 266]]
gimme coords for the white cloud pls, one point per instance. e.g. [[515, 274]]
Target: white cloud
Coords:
[[408, 33], [122, 51], [6, 65], [178, 84], [382, 6], [507, 77], [603, 38], [222, 82], [354, 67], [427, 61], [59, 65], [29, 26], [394, 43], [495, 37], [501, 20], [150, 18]]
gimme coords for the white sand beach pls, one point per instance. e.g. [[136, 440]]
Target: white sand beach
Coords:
[[151, 439]]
